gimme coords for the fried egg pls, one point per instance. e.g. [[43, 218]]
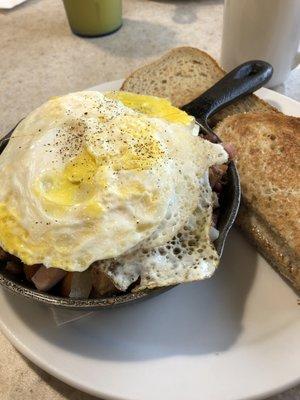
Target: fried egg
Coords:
[[117, 178]]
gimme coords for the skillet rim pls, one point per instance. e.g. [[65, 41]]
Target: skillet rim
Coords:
[[22, 288]]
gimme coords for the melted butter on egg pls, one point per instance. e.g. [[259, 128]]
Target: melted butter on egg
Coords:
[[152, 106], [84, 176], [73, 186]]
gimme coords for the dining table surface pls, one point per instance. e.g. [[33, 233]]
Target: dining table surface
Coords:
[[40, 58]]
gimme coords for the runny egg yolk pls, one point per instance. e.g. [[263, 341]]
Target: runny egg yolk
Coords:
[[152, 106]]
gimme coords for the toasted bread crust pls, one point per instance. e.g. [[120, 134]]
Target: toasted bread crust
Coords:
[[183, 74], [269, 245], [268, 153]]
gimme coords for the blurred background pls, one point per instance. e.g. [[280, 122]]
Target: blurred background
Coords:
[[40, 57]]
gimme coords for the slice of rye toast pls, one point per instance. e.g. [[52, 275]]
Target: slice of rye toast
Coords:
[[268, 160], [183, 74]]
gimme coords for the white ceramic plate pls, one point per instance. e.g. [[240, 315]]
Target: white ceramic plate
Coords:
[[8, 4], [232, 337]]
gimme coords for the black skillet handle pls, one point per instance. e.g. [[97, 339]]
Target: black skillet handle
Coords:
[[243, 80], [5, 139]]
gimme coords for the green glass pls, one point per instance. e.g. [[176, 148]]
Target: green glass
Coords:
[[94, 17]]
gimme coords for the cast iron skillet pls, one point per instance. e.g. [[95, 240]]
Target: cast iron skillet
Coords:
[[243, 80]]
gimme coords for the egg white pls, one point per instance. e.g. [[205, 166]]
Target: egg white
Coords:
[[86, 178]]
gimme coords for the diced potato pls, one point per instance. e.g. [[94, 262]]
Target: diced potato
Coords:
[[66, 284], [77, 285], [102, 284], [45, 278], [30, 270]]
